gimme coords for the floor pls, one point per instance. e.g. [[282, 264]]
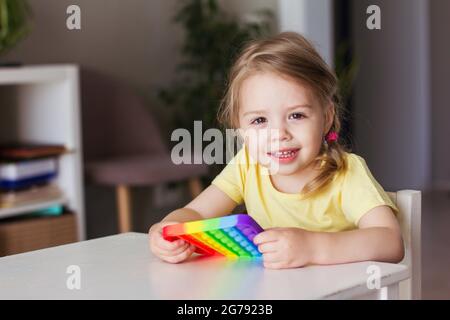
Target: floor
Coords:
[[436, 245]]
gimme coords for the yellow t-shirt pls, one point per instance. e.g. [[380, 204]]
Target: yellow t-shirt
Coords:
[[337, 207]]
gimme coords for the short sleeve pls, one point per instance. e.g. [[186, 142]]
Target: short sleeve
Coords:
[[232, 178], [360, 191]]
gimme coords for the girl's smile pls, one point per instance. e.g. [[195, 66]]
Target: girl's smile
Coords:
[[284, 123], [284, 155]]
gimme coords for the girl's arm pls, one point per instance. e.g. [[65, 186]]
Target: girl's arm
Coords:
[[211, 203], [378, 238]]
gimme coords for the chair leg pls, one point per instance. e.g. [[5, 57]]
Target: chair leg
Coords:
[[195, 187], [124, 207]]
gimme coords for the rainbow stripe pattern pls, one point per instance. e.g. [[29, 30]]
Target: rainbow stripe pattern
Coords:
[[230, 236]]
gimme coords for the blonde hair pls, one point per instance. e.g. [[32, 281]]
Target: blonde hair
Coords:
[[290, 54]]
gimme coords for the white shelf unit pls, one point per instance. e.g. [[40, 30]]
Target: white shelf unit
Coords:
[[42, 104]]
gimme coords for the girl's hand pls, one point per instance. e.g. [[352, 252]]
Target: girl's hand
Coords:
[[285, 247], [173, 252]]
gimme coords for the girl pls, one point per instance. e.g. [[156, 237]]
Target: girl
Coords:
[[317, 203]]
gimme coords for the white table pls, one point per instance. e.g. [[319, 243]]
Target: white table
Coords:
[[122, 267]]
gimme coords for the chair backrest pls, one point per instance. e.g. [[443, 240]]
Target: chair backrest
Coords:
[[409, 203], [116, 121]]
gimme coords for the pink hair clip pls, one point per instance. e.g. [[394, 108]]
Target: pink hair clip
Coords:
[[332, 136]]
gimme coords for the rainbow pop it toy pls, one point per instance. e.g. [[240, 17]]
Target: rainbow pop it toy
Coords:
[[230, 236]]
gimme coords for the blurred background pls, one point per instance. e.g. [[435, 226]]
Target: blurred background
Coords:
[[147, 67]]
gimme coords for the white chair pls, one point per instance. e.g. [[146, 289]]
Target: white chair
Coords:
[[409, 204]]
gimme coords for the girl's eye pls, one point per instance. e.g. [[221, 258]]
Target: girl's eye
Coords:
[[297, 116], [259, 120]]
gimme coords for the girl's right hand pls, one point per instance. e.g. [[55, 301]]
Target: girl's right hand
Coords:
[[169, 251]]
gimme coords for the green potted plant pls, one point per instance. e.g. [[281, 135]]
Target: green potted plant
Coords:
[[14, 23], [212, 38]]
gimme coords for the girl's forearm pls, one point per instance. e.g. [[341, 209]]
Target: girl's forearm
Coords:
[[375, 244], [183, 215], [179, 215]]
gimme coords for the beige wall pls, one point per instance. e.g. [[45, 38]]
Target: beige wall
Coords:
[[134, 40], [440, 93], [402, 93], [392, 104], [131, 39]]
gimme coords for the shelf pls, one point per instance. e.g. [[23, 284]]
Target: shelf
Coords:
[[41, 104], [34, 74], [8, 212]]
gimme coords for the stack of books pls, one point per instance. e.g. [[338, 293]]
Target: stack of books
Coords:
[[27, 174]]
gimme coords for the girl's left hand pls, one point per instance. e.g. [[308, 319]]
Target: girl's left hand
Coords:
[[285, 247]]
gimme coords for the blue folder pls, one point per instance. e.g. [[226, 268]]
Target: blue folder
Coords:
[[25, 183]]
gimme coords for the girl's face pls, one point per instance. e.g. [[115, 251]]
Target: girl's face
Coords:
[[282, 122]]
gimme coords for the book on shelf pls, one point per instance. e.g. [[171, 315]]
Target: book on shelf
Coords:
[[27, 151], [26, 165], [27, 172], [27, 169], [22, 174], [34, 195]]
